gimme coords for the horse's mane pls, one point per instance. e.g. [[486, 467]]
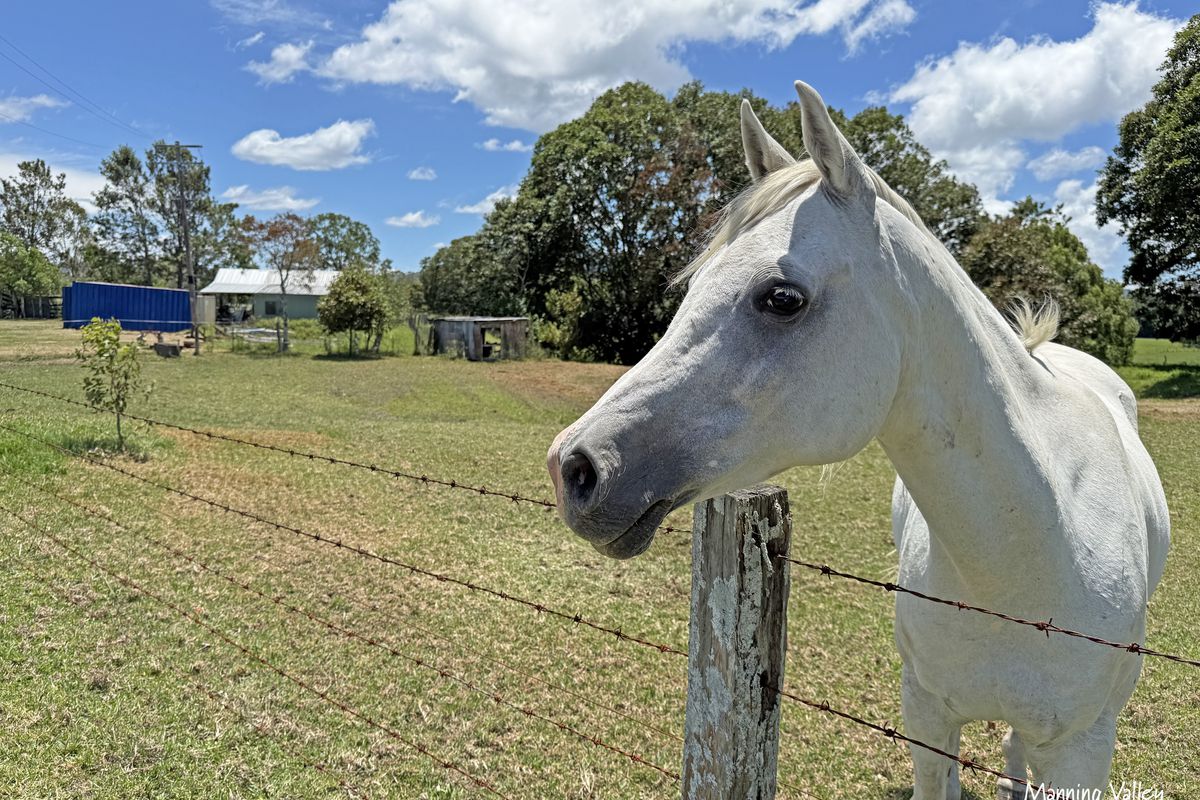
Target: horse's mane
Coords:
[[774, 191], [771, 194]]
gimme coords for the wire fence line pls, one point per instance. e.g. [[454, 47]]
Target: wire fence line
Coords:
[[422, 478], [256, 657], [1045, 626], [293, 752], [372, 641], [540, 608], [822, 706]]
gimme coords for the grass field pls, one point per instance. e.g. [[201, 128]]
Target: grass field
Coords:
[[106, 694]]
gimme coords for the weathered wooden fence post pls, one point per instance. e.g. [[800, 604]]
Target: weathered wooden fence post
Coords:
[[737, 645]]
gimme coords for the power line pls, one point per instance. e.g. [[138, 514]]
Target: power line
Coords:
[[88, 105], [52, 133]]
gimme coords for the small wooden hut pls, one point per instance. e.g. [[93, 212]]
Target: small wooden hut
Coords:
[[479, 338]]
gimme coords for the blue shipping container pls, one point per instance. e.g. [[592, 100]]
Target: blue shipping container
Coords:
[[137, 308]]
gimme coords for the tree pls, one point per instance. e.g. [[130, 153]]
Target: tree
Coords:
[[343, 242], [126, 224], [24, 272], [357, 301], [284, 244], [36, 209], [1030, 253], [114, 374], [175, 173], [1169, 309], [1150, 185], [613, 203]]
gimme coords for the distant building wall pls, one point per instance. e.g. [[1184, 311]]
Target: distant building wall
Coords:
[[299, 306], [137, 308]]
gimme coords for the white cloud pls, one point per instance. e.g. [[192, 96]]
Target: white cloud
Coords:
[[486, 205], [21, 109], [981, 101], [333, 147], [413, 219], [497, 146], [533, 68], [1057, 162], [422, 174], [81, 183], [884, 18], [1104, 244], [250, 41], [280, 198], [286, 61], [253, 13]]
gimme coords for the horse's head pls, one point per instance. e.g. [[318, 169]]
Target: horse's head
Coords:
[[785, 351]]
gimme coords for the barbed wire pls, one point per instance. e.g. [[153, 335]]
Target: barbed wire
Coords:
[[541, 608], [897, 736], [422, 478], [374, 608], [293, 752], [372, 641], [1047, 626], [254, 656], [809, 703]]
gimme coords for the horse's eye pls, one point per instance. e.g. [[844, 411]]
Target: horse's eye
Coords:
[[783, 300]]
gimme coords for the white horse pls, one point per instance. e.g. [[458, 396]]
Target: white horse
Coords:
[[823, 314]]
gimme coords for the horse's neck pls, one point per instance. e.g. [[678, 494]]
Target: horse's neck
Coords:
[[962, 432]]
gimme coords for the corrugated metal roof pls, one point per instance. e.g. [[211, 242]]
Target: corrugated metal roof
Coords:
[[266, 281]]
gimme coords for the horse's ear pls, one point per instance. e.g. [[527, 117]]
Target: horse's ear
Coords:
[[835, 159], [763, 154]]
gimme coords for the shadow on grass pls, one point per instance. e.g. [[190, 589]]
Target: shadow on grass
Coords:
[[1172, 382], [105, 447], [907, 792]]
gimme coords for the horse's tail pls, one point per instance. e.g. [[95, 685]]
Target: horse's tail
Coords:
[[1034, 326]]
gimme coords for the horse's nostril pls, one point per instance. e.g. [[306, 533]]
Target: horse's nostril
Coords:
[[579, 477]]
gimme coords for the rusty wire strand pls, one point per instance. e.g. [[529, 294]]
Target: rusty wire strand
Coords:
[[897, 736], [311, 456], [372, 641], [820, 706], [577, 619], [316, 765], [371, 607], [1047, 626], [195, 619]]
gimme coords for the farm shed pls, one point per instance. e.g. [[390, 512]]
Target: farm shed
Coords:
[[137, 308], [479, 338], [258, 290]]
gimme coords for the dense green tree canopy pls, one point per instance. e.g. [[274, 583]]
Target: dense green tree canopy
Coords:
[[1151, 184], [618, 201], [35, 208], [24, 272], [357, 303], [1031, 254]]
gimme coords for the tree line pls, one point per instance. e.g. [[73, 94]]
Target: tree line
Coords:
[[617, 201], [136, 233]]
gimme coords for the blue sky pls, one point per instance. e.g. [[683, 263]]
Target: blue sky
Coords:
[[410, 115]]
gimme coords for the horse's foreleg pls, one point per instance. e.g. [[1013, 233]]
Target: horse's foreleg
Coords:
[[1014, 764], [928, 719], [1080, 762]]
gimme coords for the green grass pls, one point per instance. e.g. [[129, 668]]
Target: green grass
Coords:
[[1162, 353], [1163, 370], [96, 698]]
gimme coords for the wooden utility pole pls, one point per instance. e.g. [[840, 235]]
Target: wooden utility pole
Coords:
[[176, 151], [737, 645]]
